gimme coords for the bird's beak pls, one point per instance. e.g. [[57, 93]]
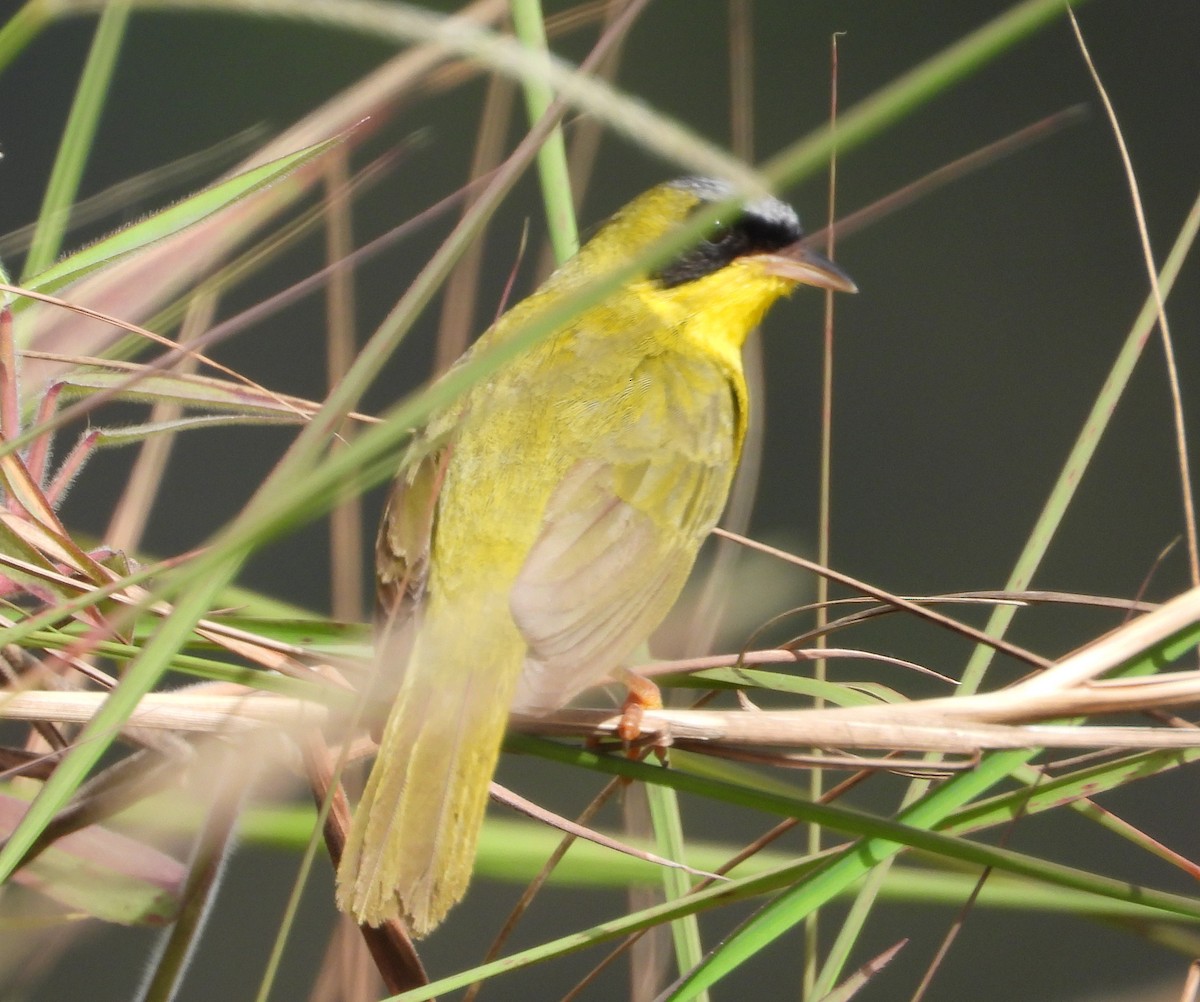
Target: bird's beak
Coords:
[[799, 263]]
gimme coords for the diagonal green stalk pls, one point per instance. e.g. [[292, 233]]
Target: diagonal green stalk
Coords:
[[670, 844], [1081, 452], [530, 28], [1035, 548], [865, 120], [77, 137], [1067, 788], [880, 834], [933, 808], [19, 30]]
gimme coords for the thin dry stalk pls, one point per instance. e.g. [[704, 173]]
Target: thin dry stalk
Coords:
[[132, 510], [1185, 476], [458, 302], [346, 520]]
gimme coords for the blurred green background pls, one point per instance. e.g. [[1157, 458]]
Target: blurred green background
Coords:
[[988, 316]]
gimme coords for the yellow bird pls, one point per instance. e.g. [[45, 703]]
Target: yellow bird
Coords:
[[555, 522]]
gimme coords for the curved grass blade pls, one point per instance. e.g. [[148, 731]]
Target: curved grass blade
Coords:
[[198, 208], [77, 138]]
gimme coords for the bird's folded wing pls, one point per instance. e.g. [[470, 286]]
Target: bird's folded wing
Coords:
[[615, 546]]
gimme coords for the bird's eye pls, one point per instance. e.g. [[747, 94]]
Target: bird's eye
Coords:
[[719, 233], [724, 241]]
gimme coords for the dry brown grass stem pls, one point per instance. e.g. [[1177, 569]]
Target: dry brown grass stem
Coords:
[[1007, 718], [950, 725], [962, 725]]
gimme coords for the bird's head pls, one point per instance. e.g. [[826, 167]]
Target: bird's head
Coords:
[[744, 262]]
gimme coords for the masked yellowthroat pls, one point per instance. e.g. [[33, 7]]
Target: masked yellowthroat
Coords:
[[553, 527]]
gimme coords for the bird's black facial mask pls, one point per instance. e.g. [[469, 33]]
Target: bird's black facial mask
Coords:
[[764, 226]]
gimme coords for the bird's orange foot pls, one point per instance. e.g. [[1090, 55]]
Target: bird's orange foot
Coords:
[[643, 695]]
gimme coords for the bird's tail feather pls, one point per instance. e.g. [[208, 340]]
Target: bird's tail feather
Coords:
[[411, 847]]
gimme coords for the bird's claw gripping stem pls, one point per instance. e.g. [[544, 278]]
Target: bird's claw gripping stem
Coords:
[[643, 695]]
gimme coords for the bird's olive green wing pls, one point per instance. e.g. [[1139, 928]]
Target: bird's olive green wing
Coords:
[[616, 544]]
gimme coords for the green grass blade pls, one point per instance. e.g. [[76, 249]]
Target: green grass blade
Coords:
[[530, 28], [192, 210], [204, 668], [77, 137], [1045, 794], [1047, 524], [927, 813], [20, 29], [1082, 451], [99, 733], [837, 693], [669, 843], [819, 887]]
